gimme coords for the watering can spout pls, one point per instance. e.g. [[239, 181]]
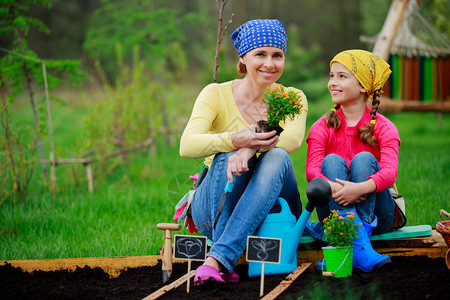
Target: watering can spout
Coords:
[[318, 192]]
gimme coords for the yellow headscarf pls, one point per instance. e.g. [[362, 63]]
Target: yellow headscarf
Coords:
[[370, 69]]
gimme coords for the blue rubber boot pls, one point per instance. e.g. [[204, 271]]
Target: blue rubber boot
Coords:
[[364, 257]]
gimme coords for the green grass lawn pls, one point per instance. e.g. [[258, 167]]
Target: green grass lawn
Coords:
[[120, 217]]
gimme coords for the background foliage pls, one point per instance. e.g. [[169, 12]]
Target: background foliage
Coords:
[[137, 67]]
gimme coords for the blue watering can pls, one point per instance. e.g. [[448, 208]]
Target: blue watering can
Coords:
[[283, 225]]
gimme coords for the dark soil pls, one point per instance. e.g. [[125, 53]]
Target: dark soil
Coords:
[[263, 126], [408, 278]]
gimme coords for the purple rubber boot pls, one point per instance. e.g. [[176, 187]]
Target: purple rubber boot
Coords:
[[205, 273], [230, 277]]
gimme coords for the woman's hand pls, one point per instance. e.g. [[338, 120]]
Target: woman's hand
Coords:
[[238, 162], [248, 138], [352, 192]]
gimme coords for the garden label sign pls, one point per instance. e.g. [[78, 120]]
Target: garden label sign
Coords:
[[189, 247], [263, 250]]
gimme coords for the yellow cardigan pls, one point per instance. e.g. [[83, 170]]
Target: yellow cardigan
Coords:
[[215, 117]]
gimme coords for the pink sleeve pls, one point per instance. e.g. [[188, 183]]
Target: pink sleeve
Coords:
[[317, 141], [389, 141]]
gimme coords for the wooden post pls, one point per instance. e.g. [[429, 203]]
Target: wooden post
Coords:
[[89, 176], [390, 28], [50, 130], [261, 284], [53, 173], [188, 285]]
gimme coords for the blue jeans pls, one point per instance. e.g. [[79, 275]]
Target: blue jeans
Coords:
[[254, 193], [380, 204]]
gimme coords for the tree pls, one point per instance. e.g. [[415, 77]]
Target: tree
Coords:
[[22, 69]]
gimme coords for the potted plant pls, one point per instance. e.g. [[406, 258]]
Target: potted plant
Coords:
[[340, 231], [281, 104]]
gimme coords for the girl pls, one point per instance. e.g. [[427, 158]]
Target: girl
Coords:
[[356, 150], [222, 129]]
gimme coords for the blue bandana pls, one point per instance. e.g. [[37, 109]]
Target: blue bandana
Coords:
[[259, 33]]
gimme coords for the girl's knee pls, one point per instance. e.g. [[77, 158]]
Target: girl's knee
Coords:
[[363, 165], [363, 158], [332, 160]]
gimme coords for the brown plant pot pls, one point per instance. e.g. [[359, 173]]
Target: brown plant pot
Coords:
[[263, 126]]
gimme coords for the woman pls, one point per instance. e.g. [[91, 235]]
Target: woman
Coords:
[[355, 149], [222, 129]]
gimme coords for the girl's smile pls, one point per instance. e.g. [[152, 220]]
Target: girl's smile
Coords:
[[343, 85]]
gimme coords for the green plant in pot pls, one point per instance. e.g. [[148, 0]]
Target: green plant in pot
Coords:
[[340, 231], [281, 105]]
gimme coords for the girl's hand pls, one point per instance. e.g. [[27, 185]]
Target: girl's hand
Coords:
[[335, 187], [248, 138], [238, 162], [350, 193]]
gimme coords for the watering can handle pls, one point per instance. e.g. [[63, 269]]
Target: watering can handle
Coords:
[[284, 205]]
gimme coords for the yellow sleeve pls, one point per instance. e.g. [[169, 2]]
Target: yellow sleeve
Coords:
[[294, 130], [198, 139]]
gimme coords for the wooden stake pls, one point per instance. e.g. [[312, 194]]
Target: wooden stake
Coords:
[[189, 279], [89, 176], [53, 174], [261, 287], [170, 287], [273, 294], [50, 131]]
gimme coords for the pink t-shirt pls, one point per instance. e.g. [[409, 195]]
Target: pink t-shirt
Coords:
[[345, 142]]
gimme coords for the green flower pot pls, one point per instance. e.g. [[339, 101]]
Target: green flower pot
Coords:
[[338, 261]]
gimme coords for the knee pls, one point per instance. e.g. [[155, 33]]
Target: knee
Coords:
[[277, 154], [363, 159], [332, 160]]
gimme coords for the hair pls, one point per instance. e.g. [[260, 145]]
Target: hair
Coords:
[[366, 132], [332, 118], [241, 68]]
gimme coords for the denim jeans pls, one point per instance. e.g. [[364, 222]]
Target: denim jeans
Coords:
[[380, 204], [254, 193]]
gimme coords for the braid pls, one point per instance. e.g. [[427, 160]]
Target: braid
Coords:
[[332, 119], [366, 132]]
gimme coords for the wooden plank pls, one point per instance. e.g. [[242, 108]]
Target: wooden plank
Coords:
[[315, 256], [388, 105], [286, 282], [170, 286], [432, 246], [111, 265], [429, 252], [115, 265], [435, 240], [431, 240]]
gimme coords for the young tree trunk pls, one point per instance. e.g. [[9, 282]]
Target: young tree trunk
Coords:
[[220, 35], [26, 71], [4, 119]]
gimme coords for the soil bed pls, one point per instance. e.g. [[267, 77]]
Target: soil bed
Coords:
[[417, 277]]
